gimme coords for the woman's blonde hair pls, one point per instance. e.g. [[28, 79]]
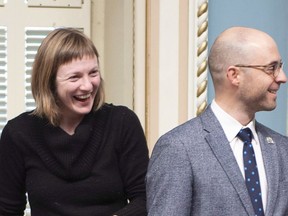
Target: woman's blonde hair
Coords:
[[60, 47]]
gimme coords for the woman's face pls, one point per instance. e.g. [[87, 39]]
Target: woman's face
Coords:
[[77, 83]]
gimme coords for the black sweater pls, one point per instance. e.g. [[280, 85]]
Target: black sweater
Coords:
[[96, 171]]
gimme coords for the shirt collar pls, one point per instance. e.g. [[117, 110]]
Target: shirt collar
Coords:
[[230, 125]]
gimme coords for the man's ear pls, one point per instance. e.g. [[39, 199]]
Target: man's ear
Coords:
[[233, 75]]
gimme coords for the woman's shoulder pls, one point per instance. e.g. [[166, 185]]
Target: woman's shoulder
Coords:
[[25, 116], [115, 107], [25, 120], [118, 109], [120, 113]]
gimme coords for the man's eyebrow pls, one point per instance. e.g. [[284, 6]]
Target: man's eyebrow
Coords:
[[275, 62]]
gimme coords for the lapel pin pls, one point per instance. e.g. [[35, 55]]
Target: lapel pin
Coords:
[[269, 140]]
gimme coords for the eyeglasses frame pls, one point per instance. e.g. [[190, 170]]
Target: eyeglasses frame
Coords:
[[264, 68]]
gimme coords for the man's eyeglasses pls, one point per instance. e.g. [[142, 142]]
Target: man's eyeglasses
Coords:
[[271, 69]]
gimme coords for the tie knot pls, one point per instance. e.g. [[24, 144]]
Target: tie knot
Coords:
[[245, 134]]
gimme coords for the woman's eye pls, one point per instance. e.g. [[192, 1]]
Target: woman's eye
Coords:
[[94, 73], [73, 78]]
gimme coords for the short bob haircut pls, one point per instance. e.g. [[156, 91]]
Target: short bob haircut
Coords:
[[61, 46]]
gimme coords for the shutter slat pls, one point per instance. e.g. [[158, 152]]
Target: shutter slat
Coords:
[[33, 39], [3, 77]]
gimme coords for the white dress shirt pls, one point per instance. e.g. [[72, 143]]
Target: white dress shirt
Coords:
[[231, 128]]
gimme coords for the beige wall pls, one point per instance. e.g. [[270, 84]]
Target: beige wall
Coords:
[[119, 32], [167, 57], [115, 41], [153, 58]]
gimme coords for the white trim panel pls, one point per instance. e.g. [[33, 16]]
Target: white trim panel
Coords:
[[168, 65], [55, 3]]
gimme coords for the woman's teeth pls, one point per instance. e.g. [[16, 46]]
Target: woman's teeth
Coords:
[[83, 96]]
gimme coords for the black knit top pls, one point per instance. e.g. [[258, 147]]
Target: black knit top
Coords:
[[97, 171]]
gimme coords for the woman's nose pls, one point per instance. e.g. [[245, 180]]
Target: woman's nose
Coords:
[[86, 83]]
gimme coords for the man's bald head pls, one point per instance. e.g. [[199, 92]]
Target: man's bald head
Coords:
[[236, 45]]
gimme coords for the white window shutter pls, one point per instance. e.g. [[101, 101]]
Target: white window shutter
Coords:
[[23, 25], [3, 77], [33, 39], [20, 38]]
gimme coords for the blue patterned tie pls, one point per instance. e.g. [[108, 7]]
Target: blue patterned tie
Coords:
[[251, 171]]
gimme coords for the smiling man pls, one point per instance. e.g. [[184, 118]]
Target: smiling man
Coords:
[[224, 162]]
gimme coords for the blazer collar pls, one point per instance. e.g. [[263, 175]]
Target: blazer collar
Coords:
[[219, 144], [271, 163]]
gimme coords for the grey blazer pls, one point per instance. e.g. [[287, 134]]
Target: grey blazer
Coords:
[[193, 171]]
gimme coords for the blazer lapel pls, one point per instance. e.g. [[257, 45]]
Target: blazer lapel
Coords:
[[269, 153], [220, 146]]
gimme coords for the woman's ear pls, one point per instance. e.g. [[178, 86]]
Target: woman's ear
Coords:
[[233, 75]]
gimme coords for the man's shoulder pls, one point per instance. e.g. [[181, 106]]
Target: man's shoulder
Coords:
[[193, 126], [182, 134], [263, 129]]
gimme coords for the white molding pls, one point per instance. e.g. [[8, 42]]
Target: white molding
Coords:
[[168, 65], [139, 70]]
